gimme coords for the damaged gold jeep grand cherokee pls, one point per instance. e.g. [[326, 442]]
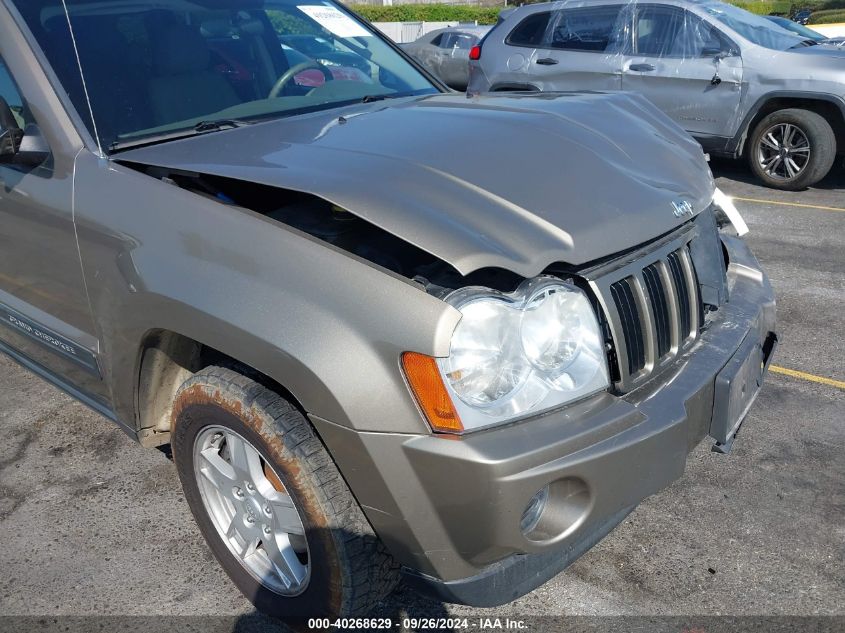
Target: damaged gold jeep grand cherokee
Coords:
[[388, 331]]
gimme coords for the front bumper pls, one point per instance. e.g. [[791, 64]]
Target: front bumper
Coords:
[[449, 509]]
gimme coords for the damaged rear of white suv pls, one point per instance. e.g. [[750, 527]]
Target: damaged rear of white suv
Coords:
[[388, 331]]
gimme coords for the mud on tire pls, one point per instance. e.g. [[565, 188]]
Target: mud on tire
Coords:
[[350, 570]]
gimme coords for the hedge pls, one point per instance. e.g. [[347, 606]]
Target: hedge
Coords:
[[778, 7], [487, 15], [818, 5], [427, 13], [832, 16]]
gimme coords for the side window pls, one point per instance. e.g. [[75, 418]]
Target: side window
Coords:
[[459, 40], [664, 31], [9, 91], [531, 31], [657, 28], [448, 40], [701, 39], [466, 42], [587, 29], [437, 40]]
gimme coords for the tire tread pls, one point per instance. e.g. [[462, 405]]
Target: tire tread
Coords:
[[823, 147], [369, 573]]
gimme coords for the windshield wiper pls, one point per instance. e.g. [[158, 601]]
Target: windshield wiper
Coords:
[[203, 127], [388, 95], [807, 42], [219, 124]]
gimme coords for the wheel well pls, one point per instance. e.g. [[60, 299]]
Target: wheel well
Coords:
[[830, 111], [167, 359]]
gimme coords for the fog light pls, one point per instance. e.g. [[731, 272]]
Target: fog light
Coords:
[[534, 510]]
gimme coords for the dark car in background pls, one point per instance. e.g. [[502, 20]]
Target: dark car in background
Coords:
[[802, 16]]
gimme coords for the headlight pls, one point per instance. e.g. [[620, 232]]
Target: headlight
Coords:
[[524, 352]]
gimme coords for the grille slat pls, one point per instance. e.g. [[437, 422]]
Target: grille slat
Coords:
[[685, 315], [623, 298], [669, 304], [659, 308]]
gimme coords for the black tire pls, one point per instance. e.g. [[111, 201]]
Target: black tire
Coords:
[[822, 145], [350, 570]]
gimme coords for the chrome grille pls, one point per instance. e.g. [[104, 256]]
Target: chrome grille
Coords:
[[653, 308]]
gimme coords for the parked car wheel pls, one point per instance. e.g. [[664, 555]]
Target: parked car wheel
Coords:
[[271, 503], [792, 149]]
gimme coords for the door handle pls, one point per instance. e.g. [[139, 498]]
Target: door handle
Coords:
[[641, 68], [546, 61]]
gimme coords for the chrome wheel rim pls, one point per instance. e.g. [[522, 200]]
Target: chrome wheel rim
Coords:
[[254, 516], [783, 151]]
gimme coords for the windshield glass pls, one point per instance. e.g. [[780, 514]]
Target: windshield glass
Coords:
[[152, 68], [754, 28]]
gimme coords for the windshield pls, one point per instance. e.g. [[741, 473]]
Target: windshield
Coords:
[[800, 29], [152, 68], [756, 29]]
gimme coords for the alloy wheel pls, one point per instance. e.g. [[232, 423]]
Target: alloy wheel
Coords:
[[783, 151], [251, 510]]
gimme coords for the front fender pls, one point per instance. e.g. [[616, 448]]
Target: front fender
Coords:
[[327, 326]]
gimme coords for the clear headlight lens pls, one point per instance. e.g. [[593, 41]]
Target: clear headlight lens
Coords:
[[520, 353]]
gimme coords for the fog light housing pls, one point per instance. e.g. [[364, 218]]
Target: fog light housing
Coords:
[[533, 511], [556, 511]]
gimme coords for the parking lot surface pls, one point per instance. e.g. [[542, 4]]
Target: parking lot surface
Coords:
[[94, 524]]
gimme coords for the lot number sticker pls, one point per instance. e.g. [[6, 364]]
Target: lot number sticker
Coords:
[[334, 21]]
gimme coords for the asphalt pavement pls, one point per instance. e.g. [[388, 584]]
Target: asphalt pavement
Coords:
[[92, 524]]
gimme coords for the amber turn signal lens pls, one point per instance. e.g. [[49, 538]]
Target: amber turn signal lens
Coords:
[[430, 392]]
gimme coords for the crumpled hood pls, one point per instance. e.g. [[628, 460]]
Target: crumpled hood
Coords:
[[510, 181]]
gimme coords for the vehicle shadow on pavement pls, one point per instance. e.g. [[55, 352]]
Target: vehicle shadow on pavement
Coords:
[[404, 602], [738, 170]]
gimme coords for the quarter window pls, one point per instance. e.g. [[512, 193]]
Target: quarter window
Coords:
[[531, 31]]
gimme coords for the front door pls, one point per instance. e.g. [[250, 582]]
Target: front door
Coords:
[[45, 319]]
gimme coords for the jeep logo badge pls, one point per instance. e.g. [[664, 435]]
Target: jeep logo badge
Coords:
[[680, 208]]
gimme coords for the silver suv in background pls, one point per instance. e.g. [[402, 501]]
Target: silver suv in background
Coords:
[[737, 82]]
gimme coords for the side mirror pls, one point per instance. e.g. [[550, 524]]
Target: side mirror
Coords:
[[20, 147], [11, 134]]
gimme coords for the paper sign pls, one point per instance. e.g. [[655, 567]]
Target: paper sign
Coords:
[[334, 21]]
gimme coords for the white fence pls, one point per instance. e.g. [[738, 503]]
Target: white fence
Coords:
[[401, 32]]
